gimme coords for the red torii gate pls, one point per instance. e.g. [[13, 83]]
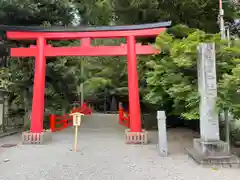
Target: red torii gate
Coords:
[[43, 50]]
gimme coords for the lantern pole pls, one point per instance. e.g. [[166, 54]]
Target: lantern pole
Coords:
[[221, 14], [223, 36], [81, 85]]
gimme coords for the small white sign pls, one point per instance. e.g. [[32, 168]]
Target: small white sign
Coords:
[[76, 122], [77, 118]]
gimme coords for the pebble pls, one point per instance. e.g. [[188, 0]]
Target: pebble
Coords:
[[6, 160]]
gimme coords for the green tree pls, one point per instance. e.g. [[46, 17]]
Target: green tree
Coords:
[[193, 13], [33, 12], [172, 75], [94, 12], [17, 76]]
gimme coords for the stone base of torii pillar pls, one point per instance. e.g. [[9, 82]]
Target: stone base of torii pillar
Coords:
[[136, 137], [29, 137], [36, 138], [209, 149]]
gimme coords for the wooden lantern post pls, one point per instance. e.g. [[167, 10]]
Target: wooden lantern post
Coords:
[[77, 118]]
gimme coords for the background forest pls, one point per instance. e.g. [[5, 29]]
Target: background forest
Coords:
[[167, 81]]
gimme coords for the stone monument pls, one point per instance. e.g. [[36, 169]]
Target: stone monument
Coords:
[[3, 109], [209, 149], [162, 133]]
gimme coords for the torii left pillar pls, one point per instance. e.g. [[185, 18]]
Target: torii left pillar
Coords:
[[36, 134]]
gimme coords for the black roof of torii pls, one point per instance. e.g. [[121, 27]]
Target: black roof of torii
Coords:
[[84, 29]]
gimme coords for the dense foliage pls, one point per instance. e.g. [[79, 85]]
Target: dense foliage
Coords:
[[172, 76], [194, 13]]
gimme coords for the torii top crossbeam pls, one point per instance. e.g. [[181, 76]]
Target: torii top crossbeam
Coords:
[[84, 34], [32, 32]]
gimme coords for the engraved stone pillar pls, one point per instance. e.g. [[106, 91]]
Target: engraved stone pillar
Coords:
[[207, 87], [209, 149], [1, 110], [162, 133]]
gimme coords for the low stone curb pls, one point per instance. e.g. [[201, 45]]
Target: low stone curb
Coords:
[[5, 134]]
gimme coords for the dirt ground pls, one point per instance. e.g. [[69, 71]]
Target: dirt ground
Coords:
[[103, 155]]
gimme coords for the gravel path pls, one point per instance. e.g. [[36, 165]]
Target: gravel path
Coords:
[[102, 156]]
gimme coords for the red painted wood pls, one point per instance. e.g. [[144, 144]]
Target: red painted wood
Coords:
[[83, 51], [120, 113], [123, 116], [38, 88], [86, 42], [41, 51], [64, 122], [133, 91], [77, 35], [84, 109], [52, 122]]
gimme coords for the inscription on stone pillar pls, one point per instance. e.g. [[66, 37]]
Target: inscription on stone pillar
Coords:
[[207, 87]]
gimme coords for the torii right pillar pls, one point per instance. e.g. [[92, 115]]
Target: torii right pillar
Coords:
[[134, 135]]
